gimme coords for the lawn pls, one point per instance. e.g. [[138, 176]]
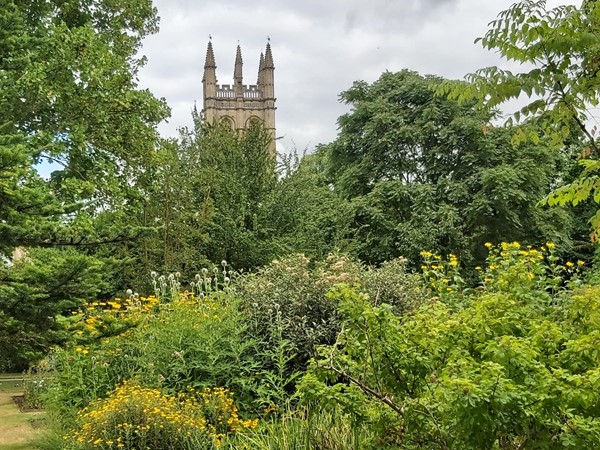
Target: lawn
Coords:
[[16, 428]]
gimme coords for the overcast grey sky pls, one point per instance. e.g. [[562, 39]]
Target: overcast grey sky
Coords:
[[320, 47]]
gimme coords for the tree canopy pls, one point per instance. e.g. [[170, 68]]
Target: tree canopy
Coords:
[[69, 95], [559, 48], [423, 171]]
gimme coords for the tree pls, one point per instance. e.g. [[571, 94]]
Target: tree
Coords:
[[561, 49], [68, 94], [206, 196], [424, 172], [41, 285], [68, 84], [234, 175], [303, 214]]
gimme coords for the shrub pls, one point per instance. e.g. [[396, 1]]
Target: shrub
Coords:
[[287, 300], [193, 341], [513, 365], [391, 284], [84, 373], [134, 417], [199, 342]]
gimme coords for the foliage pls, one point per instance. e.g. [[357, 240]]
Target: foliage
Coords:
[[34, 291], [559, 46], [134, 417], [35, 385], [512, 268], [303, 214], [306, 429], [230, 176], [441, 276], [68, 95], [199, 342], [287, 302], [101, 319], [58, 59], [421, 172], [189, 342], [204, 194], [514, 366]]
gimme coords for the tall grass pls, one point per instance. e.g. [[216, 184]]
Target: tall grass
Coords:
[[306, 429]]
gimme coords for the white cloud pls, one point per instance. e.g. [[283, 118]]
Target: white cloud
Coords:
[[319, 49]]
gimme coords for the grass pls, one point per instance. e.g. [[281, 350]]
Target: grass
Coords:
[[16, 428]]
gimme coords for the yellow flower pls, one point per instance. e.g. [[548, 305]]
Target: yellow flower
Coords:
[[550, 245], [570, 264], [488, 244], [478, 268], [580, 263]]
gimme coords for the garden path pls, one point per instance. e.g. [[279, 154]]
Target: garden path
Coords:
[[16, 430]]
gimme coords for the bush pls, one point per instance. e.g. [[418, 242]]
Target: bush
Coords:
[[288, 301], [193, 341], [133, 417], [512, 365], [199, 342]]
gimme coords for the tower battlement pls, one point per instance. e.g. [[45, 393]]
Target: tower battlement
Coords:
[[240, 104]]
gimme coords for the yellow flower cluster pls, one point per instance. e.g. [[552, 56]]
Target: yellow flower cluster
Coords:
[[134, 417], [119, 304], [512, 266], [222, 413], [187, 298], [441, 275], [96, 318]]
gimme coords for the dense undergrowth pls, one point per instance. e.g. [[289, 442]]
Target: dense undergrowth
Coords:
[[340, 356]]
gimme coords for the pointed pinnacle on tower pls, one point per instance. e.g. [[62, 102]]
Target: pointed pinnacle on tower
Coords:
[[261, 66], [209, 62], [268, 57], [237, 73]]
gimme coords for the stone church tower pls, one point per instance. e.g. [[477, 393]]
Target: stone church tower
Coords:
[[239, 105]]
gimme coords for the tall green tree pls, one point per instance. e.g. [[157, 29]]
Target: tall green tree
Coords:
[[303, 214], [37, 288], [424, 172], [68, 94], [206, 195], [560, 49], [234, 175]]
